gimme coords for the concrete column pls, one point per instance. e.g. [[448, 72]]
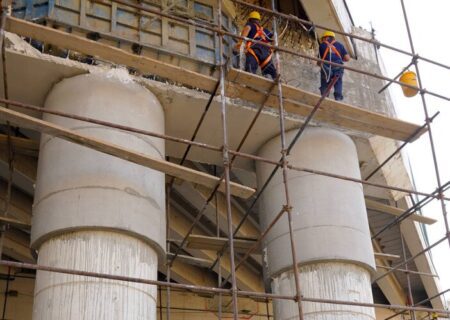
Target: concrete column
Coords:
[[94, 212], [330, 227]]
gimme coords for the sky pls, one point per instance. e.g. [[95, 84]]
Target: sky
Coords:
[[429, 27]]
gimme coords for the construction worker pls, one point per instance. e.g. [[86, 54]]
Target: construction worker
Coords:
[[334, 51], [257, 54]]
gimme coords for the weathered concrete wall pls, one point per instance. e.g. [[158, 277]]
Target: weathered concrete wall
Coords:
[[359, 90]]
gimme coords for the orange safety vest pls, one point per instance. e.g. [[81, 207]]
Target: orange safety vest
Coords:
[[259, 34], [330, 46]]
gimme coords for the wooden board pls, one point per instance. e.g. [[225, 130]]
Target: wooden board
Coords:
[[216, 244], [15, 223], [246, 86], [198, 262], [377, 206], [105, 52], [19, 143], [301, 102], [235, 91], [386, 256], [169, 168]]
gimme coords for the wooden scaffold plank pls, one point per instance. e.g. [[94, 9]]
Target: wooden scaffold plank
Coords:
[[216, 244], [380, 207], [172, 169], [301, 102], [241, 84], [105, 52]]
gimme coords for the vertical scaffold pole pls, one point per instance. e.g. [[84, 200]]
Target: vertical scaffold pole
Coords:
[[428, 122], [168, 266], [226, 163], [10, 147], [408, 277], [219, 254], [288, 207]]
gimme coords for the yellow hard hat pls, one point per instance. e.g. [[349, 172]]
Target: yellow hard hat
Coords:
[[328, 34], [254, 15]]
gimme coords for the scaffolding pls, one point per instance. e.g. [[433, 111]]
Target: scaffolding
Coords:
[[224, 183]]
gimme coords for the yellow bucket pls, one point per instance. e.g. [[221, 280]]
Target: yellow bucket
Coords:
[[409, 77]]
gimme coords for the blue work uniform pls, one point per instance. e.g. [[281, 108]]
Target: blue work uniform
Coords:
[[334, 51], [259, 55]]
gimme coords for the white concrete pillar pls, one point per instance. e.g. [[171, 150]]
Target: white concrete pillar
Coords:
[[94, 212], [330, 226]]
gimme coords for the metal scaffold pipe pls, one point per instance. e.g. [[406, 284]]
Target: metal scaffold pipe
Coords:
[[428, 122], [312, 24], [197, 288], [227, 166], [216, 148], [222, 32]]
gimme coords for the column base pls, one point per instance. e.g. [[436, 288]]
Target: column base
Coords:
[[71, 297], [332, 280]]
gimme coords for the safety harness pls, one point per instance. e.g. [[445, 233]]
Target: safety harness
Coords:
[[328, 51], [261, 35]]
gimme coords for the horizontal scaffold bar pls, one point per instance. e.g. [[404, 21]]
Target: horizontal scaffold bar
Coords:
[[297, 101], [167, 167]]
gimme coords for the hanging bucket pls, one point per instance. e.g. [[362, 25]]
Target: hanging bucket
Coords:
[[409, 77]]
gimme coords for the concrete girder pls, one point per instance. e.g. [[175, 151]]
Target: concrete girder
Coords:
[[246, 278]]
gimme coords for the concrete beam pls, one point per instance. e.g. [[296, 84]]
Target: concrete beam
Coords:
[[246, 278], [394, 172], [16, 245], [23, 164], [389, 285], [20, 204], [20, 145], [378, 206], [247, 230]]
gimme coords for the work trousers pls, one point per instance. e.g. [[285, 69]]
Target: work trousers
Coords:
[[326, 77], [262, 52]]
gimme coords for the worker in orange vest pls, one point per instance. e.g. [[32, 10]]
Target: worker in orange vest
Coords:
[[257, 54], [331, 50]]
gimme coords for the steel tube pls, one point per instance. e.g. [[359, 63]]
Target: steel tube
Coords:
[[196, 288], [278, 165], [419, 303], [410, 259], [398, 75], [408, 278], [27, 106], [412, 209], [375, 42], [401, 147], [209, 147], [428, 122], [410, 272], [226, 165], [284, 153], [259, 240], [295, 53], [10, 157]]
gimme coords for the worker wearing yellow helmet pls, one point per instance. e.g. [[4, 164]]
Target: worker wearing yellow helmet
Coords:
[[333, 51], [257, 54]]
